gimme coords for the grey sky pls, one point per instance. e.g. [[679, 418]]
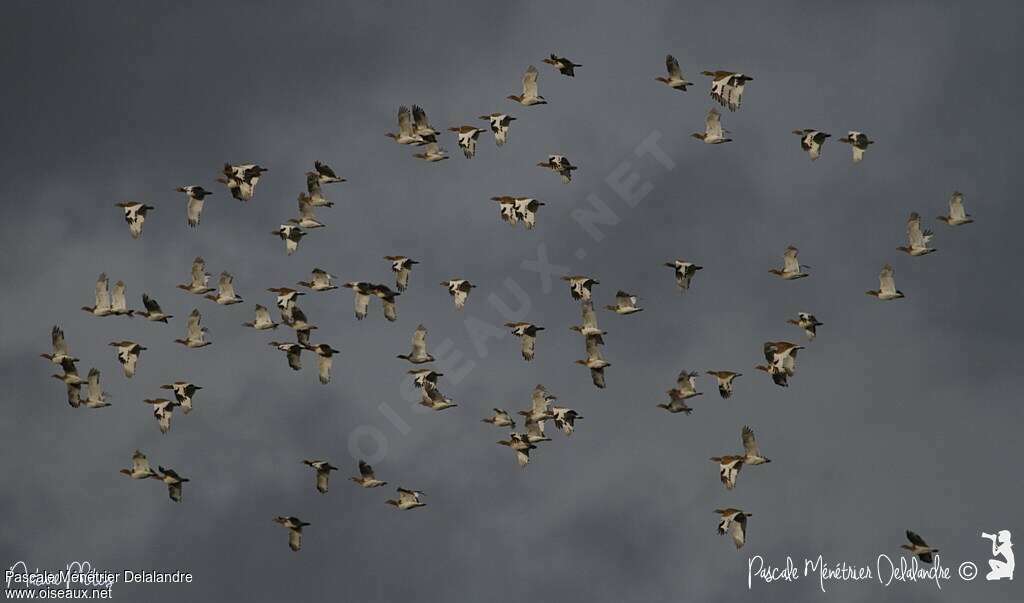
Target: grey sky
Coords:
[[901, 415]]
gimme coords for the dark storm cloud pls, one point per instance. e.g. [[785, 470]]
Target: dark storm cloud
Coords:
[[902, 415]]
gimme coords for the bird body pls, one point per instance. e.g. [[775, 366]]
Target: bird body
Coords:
[[401, 266], [733, 521], [917, 239], [727, 87], [807, 322], [418, 354], [527, 332], [135, 216], [858, 142], [886, 285], [562, 64], [140, 468], [685, 272], [241, 179], [529, 97], [625, 304], [294, 525], [323, 473], [407, 499], [812, 141], [957, 216], [919, 547], [500, 126], [194, 208], [459, 289], [791, 269], [675, 79], [713, 132], [725, 379], [195, 336], [366, 477]]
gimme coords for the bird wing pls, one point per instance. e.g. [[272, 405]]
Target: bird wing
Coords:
[[530, 82], [102, 293], [914, 234], [390, 309], [593, 348], [306, 207], [419, 341], [150, 304], [956, 207], [914, 538], [198, 272], [887, 281], [118, 301], [262, 315], [195, 331], [140, 464], [749, 443], [738, 529], [294, 539], [366, 470], [673, 67], [713, 124], [404, 121], [589, 317], [323, 365], [226, 286], [60, 347], [294, 358], [362, 305], [324, 169], [529, 346]]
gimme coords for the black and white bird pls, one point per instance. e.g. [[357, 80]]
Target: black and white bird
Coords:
[[362, 290], [183, 392], [675, 79], [725, 379], [580, 286], [733, 521], [241, 179], [163, 410], [140, 468], [467, 137], [727, 87], [529, 97], [625, 304], [262, 322], [387, 300], [501, 124], [135, 216], [684, 272], [291, 235], [527, 332], [781, 357], [807, 322], [324, 359], [812, 141], [294, 525], [194, 207], [562, 64], [226, 295], [728, 469], [459, 289], [401, 266], [858, 142], [560, 165], [917, 239], [919, 548], [320, 280], [101, 306], [595, 361], [200, 278], [292, 350], [128, 353], [419, 354], [791, 268], [173, 480], [152, 311], [886, 285], [957, 214], [407, 499], [367, 478], [565, 419], [713, 132], [323, 473], [195, 335]]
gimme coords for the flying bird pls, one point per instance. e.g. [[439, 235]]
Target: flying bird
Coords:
[[432, 398], [527, 332], [291, 235], [751, 453], [807, 322], [307, 214], [625, 304], [323, 473], [791, 268], [324, 174], [684, 273], [194, 208], [226, 295], [540, 405], [72, 381], [858, 142], [262, 322], [152, 310], [135, 216], [421, 125], [727, 87], [294, 525], [886, 285], [293, 352], [728, 469], [675, 79], [173, 481], [362, 291], [119, 301], [565, 419], [128, 353], [459, 289], [917, 239], [725, 379], [387, 300], [562, 64], [713, 132], [589, 327], [919, 547], [59, 346], [733, 521], [406, 132], [195, 336], [433, 153], [241, 179], [324, 359], [319, 281], [676, 403], [419, 354], [101, 306], [500, 418], [812, 141], [594, 361], [199, 279], [407, 499], [163, 410], [580, 286], [560, 165], [467, 137], [401, 266], [140, 468], [520, 444], [529, 96], [500, 125], [957, 215], [183, 392], [366, 478]]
